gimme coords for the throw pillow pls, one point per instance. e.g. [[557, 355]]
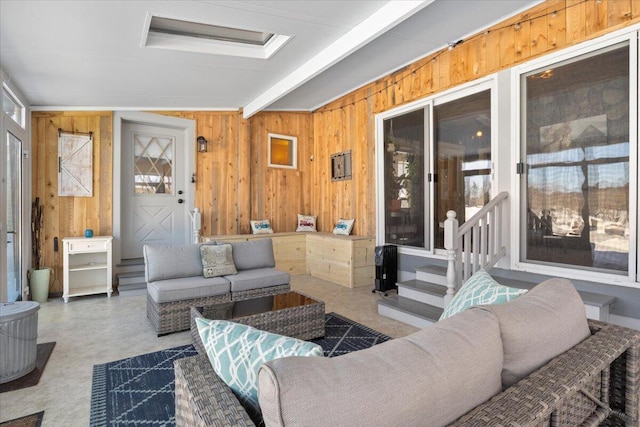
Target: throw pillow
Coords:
[[237, 351], [217, 260], [262, 226], [480, 289], [306, 222], [344, 227], [535, 328]]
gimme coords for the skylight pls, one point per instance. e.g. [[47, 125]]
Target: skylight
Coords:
[[176, 34]]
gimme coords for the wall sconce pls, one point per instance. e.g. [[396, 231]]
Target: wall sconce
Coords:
[[202, 144]]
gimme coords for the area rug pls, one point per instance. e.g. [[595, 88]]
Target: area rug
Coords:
[[43, 351], [140, 390], [33, 420]]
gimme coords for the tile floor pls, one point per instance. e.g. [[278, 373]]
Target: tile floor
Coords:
[[93, 330]]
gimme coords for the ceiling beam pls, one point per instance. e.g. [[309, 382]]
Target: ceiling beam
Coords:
[[385, 18]]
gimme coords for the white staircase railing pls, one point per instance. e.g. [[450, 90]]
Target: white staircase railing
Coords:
[[477, 244]]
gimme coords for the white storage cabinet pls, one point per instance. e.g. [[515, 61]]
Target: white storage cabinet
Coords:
[[87, 266]]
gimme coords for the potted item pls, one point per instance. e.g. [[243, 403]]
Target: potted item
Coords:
[[39, 274]]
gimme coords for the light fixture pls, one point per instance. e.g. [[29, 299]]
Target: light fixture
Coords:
[[202, 144]]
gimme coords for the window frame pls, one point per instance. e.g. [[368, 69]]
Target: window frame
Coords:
[[293, 141], [428, 103], [518, 210]]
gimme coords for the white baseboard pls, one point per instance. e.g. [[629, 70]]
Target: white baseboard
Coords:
[[628, 322]]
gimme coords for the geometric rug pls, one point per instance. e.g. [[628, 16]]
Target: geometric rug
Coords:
[[43, 351], [140, 390], [33, 420]]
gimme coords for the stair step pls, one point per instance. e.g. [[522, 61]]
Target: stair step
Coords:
[[131, 277], [424, 292], [409, 311], [433, 274], [130, 261]]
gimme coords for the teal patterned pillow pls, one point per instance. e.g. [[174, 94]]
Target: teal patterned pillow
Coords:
[[480, 289], [237, 351]]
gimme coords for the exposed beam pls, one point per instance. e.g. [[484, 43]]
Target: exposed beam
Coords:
[[385, 18]]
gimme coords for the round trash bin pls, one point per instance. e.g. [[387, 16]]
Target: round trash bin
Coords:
[[18, 336]]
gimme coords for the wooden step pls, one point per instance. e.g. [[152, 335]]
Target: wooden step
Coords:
[[424, 292], [433, 274], [408, 311]]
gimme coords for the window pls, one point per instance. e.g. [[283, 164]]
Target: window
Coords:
[[575, 120], [282, 151], [404, 189], [458, 178], [12, 107], [462, 130]]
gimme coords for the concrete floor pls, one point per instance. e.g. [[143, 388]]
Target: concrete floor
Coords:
[[93, 330]]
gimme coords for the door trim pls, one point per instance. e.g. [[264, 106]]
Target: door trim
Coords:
[[189, 129]]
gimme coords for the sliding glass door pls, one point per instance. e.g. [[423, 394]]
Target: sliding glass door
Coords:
[[14, 216]]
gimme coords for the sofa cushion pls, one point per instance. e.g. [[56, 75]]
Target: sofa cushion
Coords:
[[429, 378], [257, 278], [185, 288], [545, 322], [257, 253], [237, 351], [261, 226], [480, 289], [171, 262], [217, 260]]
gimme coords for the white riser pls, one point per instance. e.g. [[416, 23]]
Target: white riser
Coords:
[[420, 296], [435, 278], [403, 317]]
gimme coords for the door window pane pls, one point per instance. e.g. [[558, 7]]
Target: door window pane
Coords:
[[14, 203], [153, 164], [404, 191], [463, 158], [576, 121]]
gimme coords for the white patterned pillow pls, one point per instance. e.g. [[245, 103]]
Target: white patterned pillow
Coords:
[[262, 226], [480, 289], [306, 222], [344, 227], [217, 260], [237, 351]]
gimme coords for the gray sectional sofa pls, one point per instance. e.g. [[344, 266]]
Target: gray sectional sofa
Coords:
[[535, 361], [175, 280]]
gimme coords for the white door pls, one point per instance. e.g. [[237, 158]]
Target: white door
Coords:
[[153, 187]]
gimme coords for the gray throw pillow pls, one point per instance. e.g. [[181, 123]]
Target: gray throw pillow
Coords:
[[217, 260], [538, 326]]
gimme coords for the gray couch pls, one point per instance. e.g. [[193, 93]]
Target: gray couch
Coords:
[[535, 361], [175, 281]]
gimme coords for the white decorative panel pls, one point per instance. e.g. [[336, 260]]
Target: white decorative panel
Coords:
[[75, 165]]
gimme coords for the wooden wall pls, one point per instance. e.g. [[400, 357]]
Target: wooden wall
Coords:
[[349, 122], [233, 182], [70, 216]]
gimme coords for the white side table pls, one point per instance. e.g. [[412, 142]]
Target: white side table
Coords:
[[87, 266]]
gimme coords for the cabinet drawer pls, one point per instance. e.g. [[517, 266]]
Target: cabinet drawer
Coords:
[[86, 246]]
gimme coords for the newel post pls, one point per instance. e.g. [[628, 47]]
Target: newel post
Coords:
[[451, 245], [196, 224]]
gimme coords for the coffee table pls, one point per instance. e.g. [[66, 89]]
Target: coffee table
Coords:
[[292, 314]]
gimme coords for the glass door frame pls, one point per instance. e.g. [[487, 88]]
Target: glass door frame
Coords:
[[519, 209], [8, 125]]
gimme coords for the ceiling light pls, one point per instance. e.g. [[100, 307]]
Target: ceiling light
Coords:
[[179, 34]]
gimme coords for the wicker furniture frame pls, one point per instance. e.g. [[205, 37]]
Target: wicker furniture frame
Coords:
[[606, 365], [304, 321], [173, 316]]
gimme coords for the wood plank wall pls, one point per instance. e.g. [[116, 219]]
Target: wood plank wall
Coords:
[[233, 182], [70, 216], [349, 122]]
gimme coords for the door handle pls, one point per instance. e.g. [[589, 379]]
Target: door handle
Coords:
[[180, 201]]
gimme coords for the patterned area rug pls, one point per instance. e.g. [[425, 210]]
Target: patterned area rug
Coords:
[[140, 390], [33, 420]]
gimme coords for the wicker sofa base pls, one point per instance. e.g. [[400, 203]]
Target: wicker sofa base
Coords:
[[606, 365], [174, 316]]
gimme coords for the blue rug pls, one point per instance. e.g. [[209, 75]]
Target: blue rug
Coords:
[[139, 391]]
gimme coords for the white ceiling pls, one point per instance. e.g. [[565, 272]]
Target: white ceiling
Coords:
[[88, 55]]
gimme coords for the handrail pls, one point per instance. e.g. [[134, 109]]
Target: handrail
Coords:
[[477, 244]]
